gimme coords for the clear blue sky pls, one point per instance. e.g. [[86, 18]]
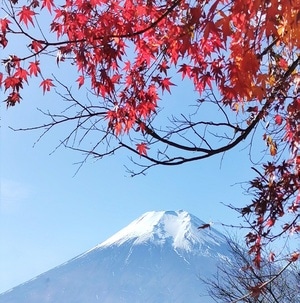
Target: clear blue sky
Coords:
[[48, 215]]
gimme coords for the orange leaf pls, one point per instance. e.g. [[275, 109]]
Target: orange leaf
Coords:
[[142, 148], [80, 81], [294, 256], [273, 149]]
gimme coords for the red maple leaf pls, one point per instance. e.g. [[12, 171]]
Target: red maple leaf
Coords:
[[270, 222], [4, 25], [46, 84], [13, 98], [34, 68], [166, 83], [13, 83], [142, 148], [117, 128], [257, 290], [22, 74], [36, 46], [278, 119], [294, 256], [3, 41], [80, 81], [163, 67], [185, 70], [26, 15], [49, 4], [283, 63]]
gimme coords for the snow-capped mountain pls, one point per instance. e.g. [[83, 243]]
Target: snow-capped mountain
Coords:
[[158, 258]]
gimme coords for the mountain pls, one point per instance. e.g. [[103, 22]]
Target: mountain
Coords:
[[158, 258]]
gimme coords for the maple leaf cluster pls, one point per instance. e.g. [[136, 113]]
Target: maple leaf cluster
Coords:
[[243, 56], [273, 192]]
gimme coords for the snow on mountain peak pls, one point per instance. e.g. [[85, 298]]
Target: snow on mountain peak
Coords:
[[178, 228], [156, 258]]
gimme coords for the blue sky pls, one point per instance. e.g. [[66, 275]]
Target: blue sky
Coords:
[[48, 215]]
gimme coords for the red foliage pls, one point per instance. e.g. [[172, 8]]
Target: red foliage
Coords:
[[49, 4], [34, 68], [294, 256], [26, 15], [46, 85], [257, 290], [142, 148]]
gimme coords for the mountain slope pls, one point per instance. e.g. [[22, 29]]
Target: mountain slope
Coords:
[[158, 258]]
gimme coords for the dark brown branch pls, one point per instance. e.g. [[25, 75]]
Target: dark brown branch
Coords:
[[261, 286]]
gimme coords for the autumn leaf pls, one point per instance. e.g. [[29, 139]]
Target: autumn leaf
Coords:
[[22, 74], [49, 4], [3, 41], [36, 46], [272, 256], [117, 128], [166, 83], [80, 81], [142, 148], [34, 68], [25, 15], [46, 85], [4, 25], [257, 290], [14, 83], [294, 256], [185, 70], [163, 67], [283, 63], [278, 119], [273, 149], [12, 99], [270, 222]]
